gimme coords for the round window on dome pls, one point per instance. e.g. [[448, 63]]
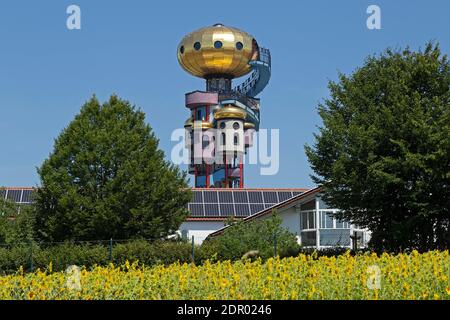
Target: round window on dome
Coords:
[[218, 44], [239, 45], [222, 125], [197, 45], [236, 125], [182, 49]]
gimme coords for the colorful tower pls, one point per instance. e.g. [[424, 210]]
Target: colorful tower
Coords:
[[223, 118]]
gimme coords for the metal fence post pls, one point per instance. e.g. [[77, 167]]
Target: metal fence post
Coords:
[[31, 256], [193, 250], [110, 250], [275, 244]]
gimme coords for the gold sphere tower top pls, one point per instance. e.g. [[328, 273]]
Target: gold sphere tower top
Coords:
[[217, 51]]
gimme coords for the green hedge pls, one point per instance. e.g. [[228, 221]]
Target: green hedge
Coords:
[[147, 253], [88, 255]]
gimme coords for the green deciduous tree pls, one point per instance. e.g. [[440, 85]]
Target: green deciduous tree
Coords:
[[383, 152], [16, 222], [106, 178]]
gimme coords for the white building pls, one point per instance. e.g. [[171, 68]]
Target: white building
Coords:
[[211, 207], [304, 214]]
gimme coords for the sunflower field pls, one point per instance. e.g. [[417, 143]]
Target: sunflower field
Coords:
[[365, 276]]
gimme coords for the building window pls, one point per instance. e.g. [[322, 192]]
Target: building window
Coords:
[[236, 125], [342, 224], [199, 114], [236, 139], [311, 220], [218, 44], [334, 237], [304, 220], [205, 143], [308, 219], [308, 238], [239, 45], [222, 125], [311, 205], [197, 46], [223, 139], [326, 221], [182, 49]]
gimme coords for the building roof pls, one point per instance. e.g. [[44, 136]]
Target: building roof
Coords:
[[208, 204], [20, 195], [220, 203], [269, 210]]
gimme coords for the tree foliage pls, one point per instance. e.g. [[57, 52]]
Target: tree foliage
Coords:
[[106, 178], [383, 152], [16, 222]]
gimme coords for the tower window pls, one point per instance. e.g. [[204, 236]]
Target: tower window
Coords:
[[236, 139], [223, 139], [236, 125], [205, 143], [197, 46], [239, 45], [199, 114], [182, 49], [222, 125], [218, 44]]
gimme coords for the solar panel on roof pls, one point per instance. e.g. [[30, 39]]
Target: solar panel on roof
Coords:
[[196, 209], [210, 196], [212, 210], [255, 197], [227, 209], [198, 197], [27, 196], [225, 197], [242, 210], [240, 197], [254, 208], [236, 202], [14, 195], [284, 195], [270, 197]]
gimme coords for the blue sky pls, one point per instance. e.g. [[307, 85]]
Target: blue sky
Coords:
[[129, 47]]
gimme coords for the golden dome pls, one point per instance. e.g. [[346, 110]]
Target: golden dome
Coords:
[[249, 125], [230, 112], [203, 125], [217, 51]]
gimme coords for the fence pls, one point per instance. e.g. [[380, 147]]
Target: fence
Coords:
[[33, 255]]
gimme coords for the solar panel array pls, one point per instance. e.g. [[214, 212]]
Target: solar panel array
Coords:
[[239, 203], [206, 203], [21, 196]]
